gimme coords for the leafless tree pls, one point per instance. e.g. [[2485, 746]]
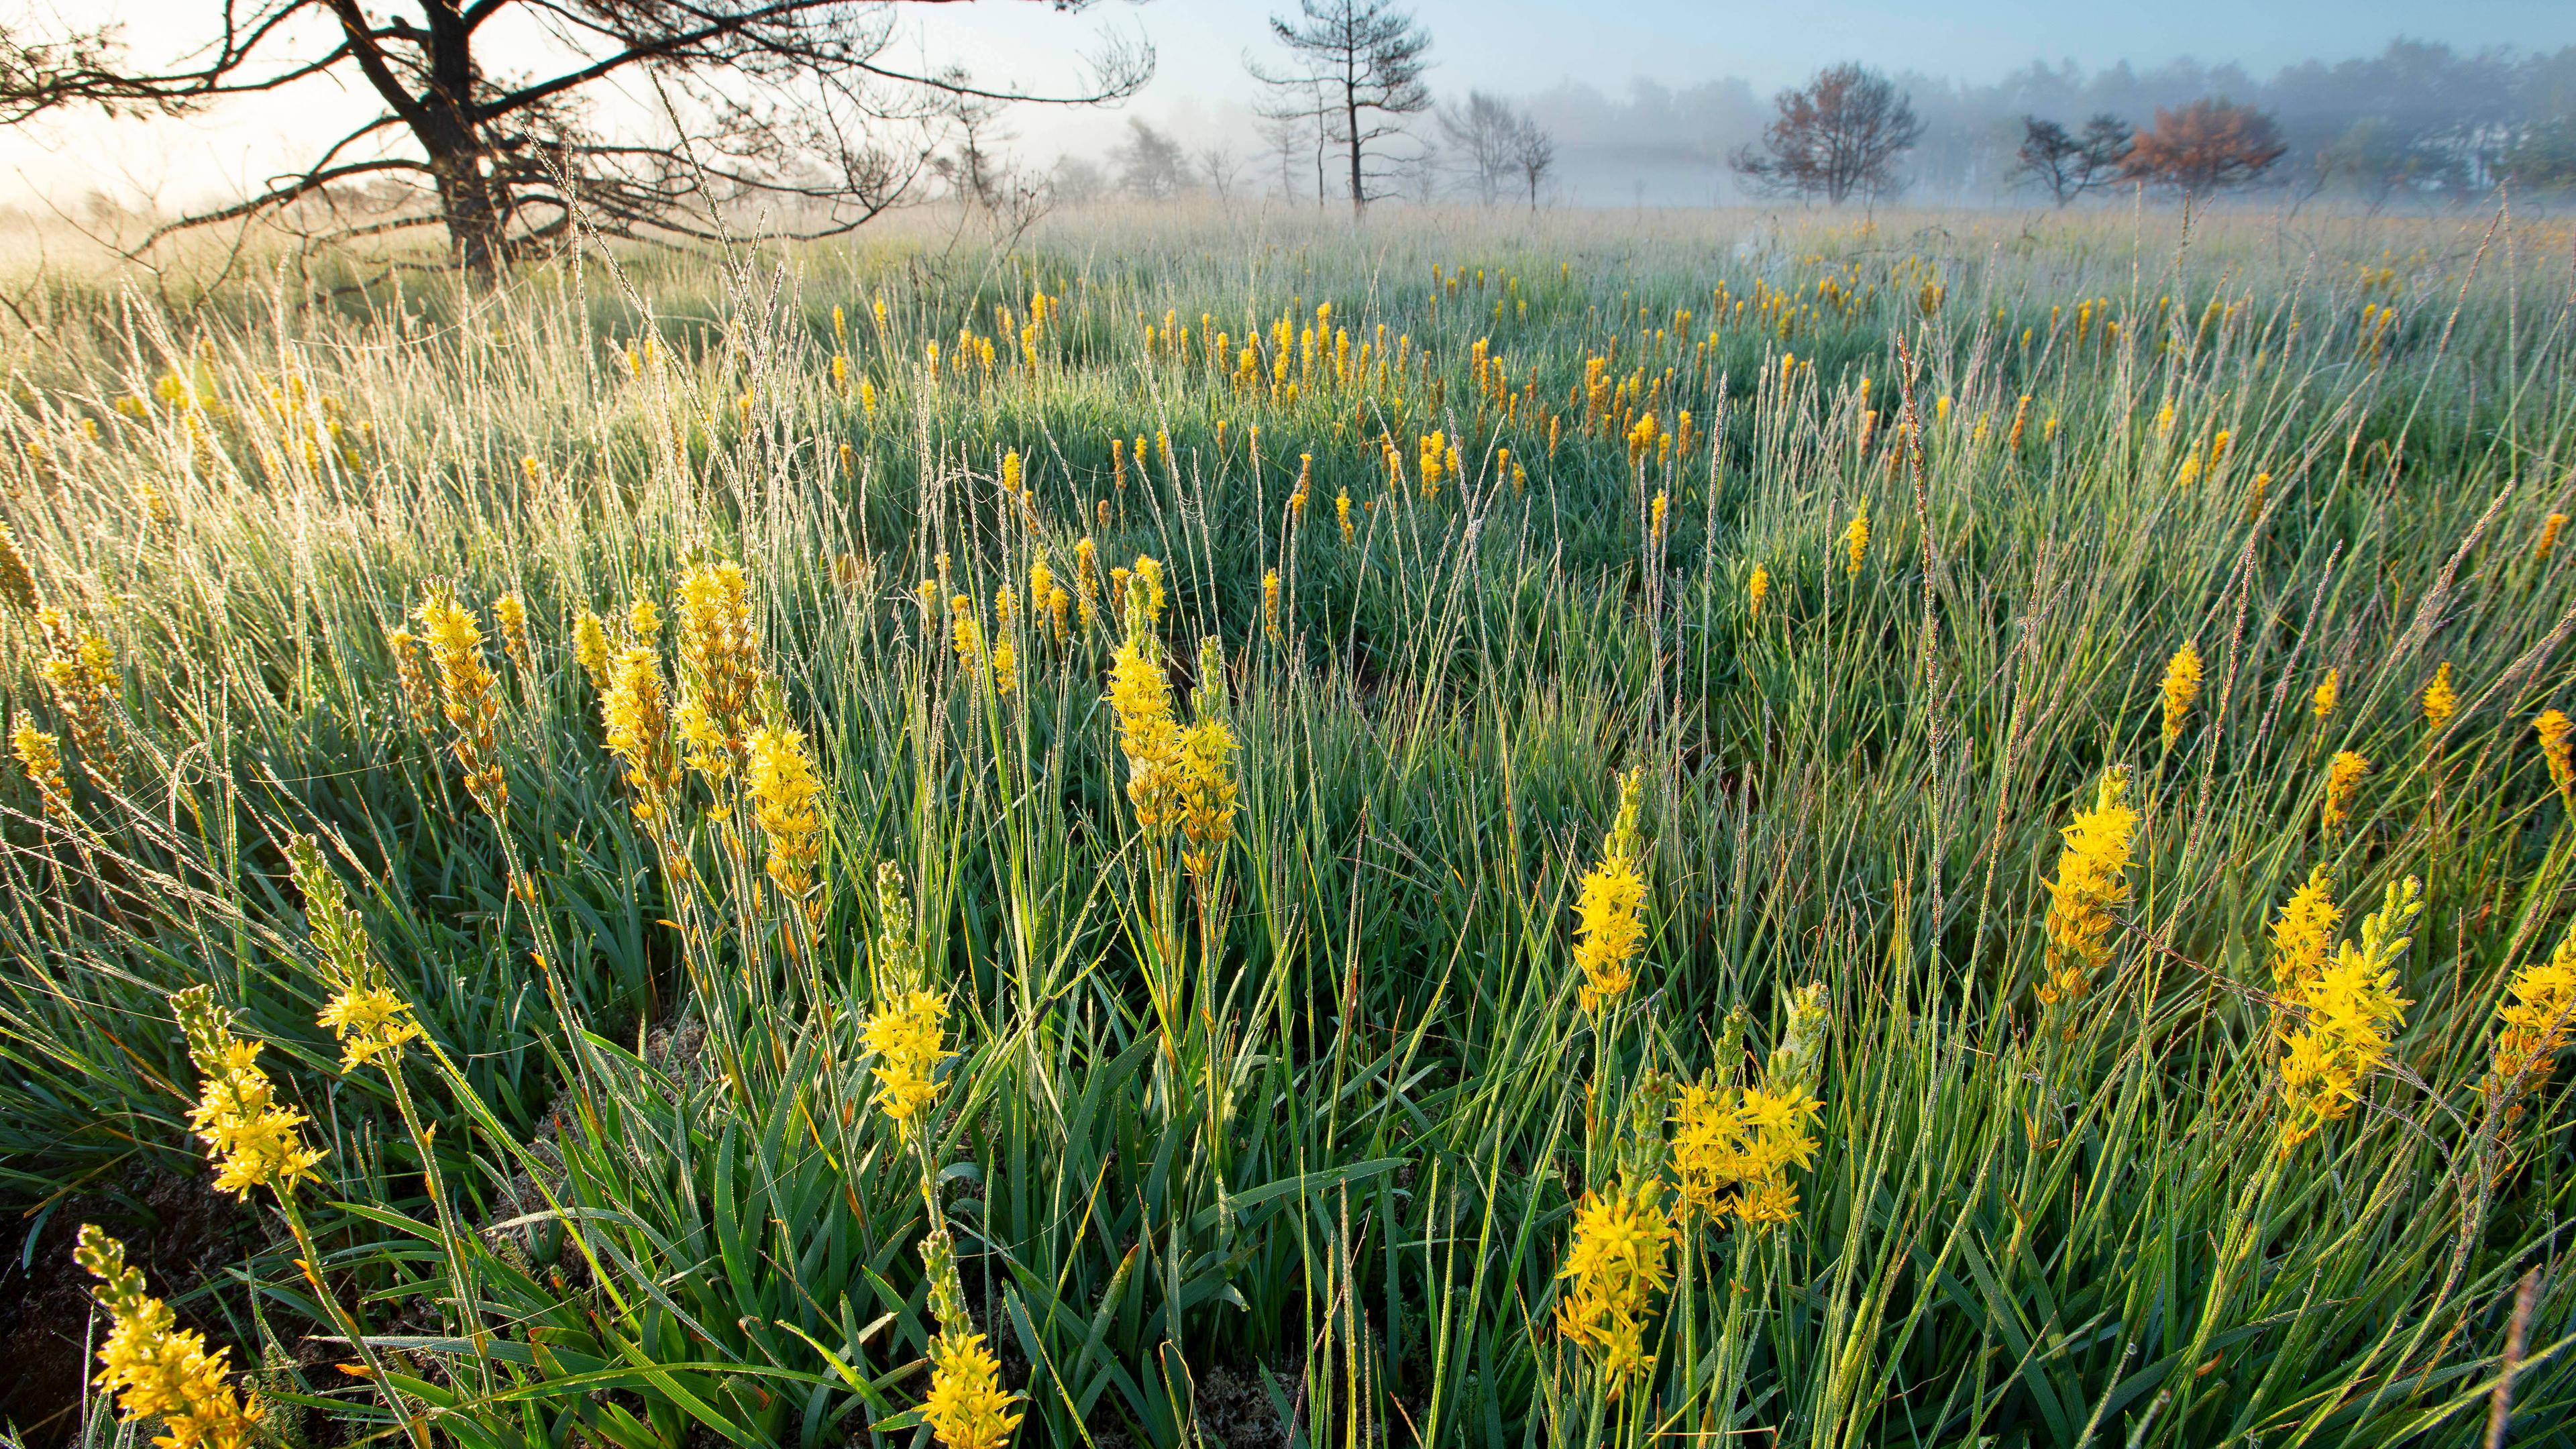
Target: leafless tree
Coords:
[[1837, 138], [796, 103], [1356, 65], [1533, 155], [1289, 138], [38, 75], [1220, 169], [2067, 164], [1481, 132]]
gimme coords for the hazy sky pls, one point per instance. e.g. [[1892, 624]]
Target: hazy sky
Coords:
[[1510, 45]]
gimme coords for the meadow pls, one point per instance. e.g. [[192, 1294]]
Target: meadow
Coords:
[[1941, 829]]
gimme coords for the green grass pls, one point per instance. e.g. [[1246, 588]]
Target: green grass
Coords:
[[1315, 1187]]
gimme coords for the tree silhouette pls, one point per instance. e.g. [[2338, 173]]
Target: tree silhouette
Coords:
[[1837, 138], [1358, 72], [2068, 164]]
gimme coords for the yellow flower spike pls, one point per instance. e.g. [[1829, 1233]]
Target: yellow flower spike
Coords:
[[1140, 697], [2322, 703], [719, 667], [157, 1370], [40, 755], [2537, 1018], [1757, 588], [2343, 780], [2180, 688], [2549, 529], [905, 1036], [1610, 909], [1856, 543], [2553, 727], [1615, 1265], [2091, 883], [469, 698], [1208, 794], [252, 1141], [967, 1407], [2441, 701], [2336, 1030], [2304, 933], [635, 717], [590, 648], [786, 798]]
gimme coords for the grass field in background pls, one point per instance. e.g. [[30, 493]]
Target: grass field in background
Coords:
[[1720, 828]]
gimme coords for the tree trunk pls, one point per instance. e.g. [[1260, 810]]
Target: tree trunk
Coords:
[[1351, 118], [467, 206], [469, 199]]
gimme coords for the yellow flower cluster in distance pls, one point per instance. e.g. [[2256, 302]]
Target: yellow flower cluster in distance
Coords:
[[158, 1370], [2343, 781]]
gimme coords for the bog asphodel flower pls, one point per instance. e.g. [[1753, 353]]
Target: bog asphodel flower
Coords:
[[967, 1407], [1208, 794], [635, 716], [2345, 1017], [468, 695], [2322, 703], [40, 755], [1757, 588], [1856, 542], [253, 1141], [590, 647], [2091, 882], [156, 1369], [1614, 1268], [1610, 908], [2549, 528], [2441, 701], [786, 797], [2553, 726], [2343, 781], [2304, 932], [2538, 1017], [2180, 688], [1141, 698], [719, 666], [905, 1036]]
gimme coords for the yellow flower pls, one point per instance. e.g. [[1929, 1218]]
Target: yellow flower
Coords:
[[2554, 727], [2304, 933], [368, 1022], [253, 1140], [512, 616], [2441, 701], [2549, 528], [81, 674], [2347, 1014], [1856, 542], [2323, 704], [2181, 687], [967, 1407], [17, 580], [1270, 603], [1610, 909], [1342, 512], [1141, 698], [2538, 1016], [636, 719], [1208, 793], [467, 694], [785, 796], [905, 1037], [1613, 1269], [719, 666], [590, 647], [1758, 588], [157, 1369], [40, 755], [2343, 780], [2091, 883]]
